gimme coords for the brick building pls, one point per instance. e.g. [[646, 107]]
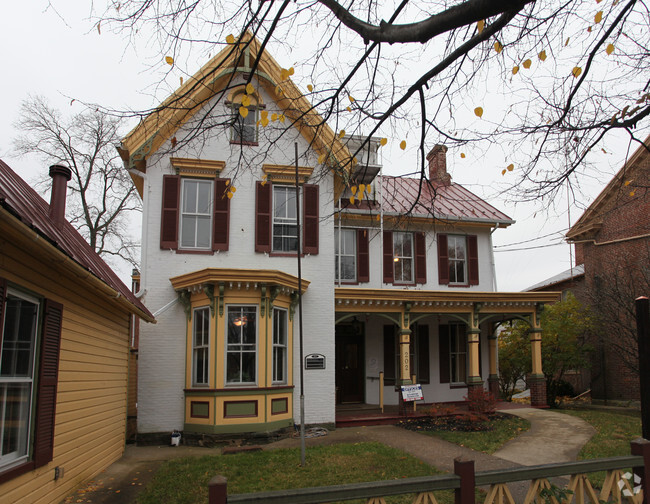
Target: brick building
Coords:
[[612, 241]]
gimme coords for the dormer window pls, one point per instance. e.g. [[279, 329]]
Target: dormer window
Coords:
[[244, 115]]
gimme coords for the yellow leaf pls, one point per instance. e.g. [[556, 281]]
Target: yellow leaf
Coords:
[[589, 29], [351, 99], [281, 118], [498, 46], [169, 60], [310, 88], [610, 49], [243, 111], [348, 109], [598, 17], [250, 89], [274, 117], [510, 167], [99, 28], [230, 195], [291, 71], [265, 122], [352, 199], [515, 69], [527, 63], [480, 25], [378, 217], [628, 182], [368, 188], [576, 71], [383, 141], [230, 39], [402, 145], [342, 133], [362, 188], [264, 114], [503, 172], [353, 189], [181, 81], [233, 189], [542, 55], [478, 111], [227, 182], [263, 183], [632, 193], [284, 74], [245, 101], [278, 90], [566, 43], [462, 155]]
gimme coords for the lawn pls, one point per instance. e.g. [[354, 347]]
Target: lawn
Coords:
[[184, 481]]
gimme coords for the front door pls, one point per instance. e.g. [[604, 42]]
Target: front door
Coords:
[[349, 363]]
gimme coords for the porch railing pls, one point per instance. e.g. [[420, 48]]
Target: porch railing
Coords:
[[618, 486]]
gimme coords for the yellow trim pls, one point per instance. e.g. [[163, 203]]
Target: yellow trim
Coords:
[[237, 276], [188, 167], [287, 173]]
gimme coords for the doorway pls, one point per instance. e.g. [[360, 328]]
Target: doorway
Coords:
[[350, 352]]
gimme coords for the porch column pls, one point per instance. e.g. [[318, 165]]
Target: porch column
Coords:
[[473, 334], [536, 380], [493, 379], [404, 347]]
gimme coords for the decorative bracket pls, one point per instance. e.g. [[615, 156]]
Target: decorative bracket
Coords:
[[222, 290], [294, 303], [209, 291], [275, 290], [262, 300], [477, 310], [184, 298]]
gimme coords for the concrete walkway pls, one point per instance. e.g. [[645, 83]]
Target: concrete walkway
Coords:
[[553, 437]]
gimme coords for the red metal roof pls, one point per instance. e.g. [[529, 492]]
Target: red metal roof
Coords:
[[33, 211], [418, 198]]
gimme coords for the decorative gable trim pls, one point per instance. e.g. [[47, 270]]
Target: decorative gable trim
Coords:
[[286, 174]]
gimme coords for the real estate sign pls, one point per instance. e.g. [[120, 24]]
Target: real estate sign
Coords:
[[412, 392]]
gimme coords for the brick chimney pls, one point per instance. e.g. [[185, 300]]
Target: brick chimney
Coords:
[[438, 165], [60, 176]]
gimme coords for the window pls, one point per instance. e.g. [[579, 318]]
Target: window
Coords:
[[244, 129], [457, 259], [457, 254], [346, 255], [28, 379], [200, 346], [196, 214], [453, 353], [403, 257], [279, 345], [285, 223], [17, 375], [276, 228], [199, 208], [241, 345]]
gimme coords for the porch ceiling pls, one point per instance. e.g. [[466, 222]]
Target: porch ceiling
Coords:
[[379, 300]]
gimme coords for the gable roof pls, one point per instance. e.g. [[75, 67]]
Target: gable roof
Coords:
[[453, 202], [213, 78], [591, 219], [571, 274], [24, 205]]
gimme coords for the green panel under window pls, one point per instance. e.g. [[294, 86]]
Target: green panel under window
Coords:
[[200, 409], [240, 409], [279, 406]]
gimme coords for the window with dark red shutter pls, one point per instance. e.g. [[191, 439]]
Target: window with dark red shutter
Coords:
[[263, 202], [443, 260], [420, 258], [363, 256], [472, 259], [310, 219], [221, 216], [171, 192], [389, 274]]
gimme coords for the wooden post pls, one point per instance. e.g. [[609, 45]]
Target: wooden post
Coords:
[[642, 447], [218, 490], [465, 470], [381, 390], [414, 382], [643, 339]]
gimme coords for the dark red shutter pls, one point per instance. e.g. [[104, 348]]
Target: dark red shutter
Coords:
[[420, 259], [443, 352], [310, 219], [443, 260], [221, 217], [472, 259], [3, 292], [171, 197], [263, 202], [423, 354], [47, 383], [389, 355], [389, 272], [363, 256]]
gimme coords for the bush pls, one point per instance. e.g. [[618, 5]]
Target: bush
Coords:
[[480, 401]]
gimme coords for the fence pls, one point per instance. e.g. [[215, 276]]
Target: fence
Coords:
[[618, 486]]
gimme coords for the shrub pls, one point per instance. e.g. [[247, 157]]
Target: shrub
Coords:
[[480, 401]]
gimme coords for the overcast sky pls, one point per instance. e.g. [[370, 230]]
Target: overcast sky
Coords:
[[59, 54]]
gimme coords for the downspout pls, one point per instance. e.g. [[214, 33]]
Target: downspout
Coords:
[[143, 243], [494, 269]]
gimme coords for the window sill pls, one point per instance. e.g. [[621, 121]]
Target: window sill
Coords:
[[285, 254], [458, 385], [464, 285], [194, 251], [241, 142], [400, 284]]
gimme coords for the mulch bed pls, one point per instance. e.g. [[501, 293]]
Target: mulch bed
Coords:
[[450, 423]]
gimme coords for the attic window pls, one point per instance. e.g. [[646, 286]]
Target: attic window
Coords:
[[244, 129]]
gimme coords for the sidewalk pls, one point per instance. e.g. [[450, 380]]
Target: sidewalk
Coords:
[[553, 437]]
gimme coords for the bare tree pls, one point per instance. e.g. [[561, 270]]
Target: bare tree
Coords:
[[103, 196], [544, 82]]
